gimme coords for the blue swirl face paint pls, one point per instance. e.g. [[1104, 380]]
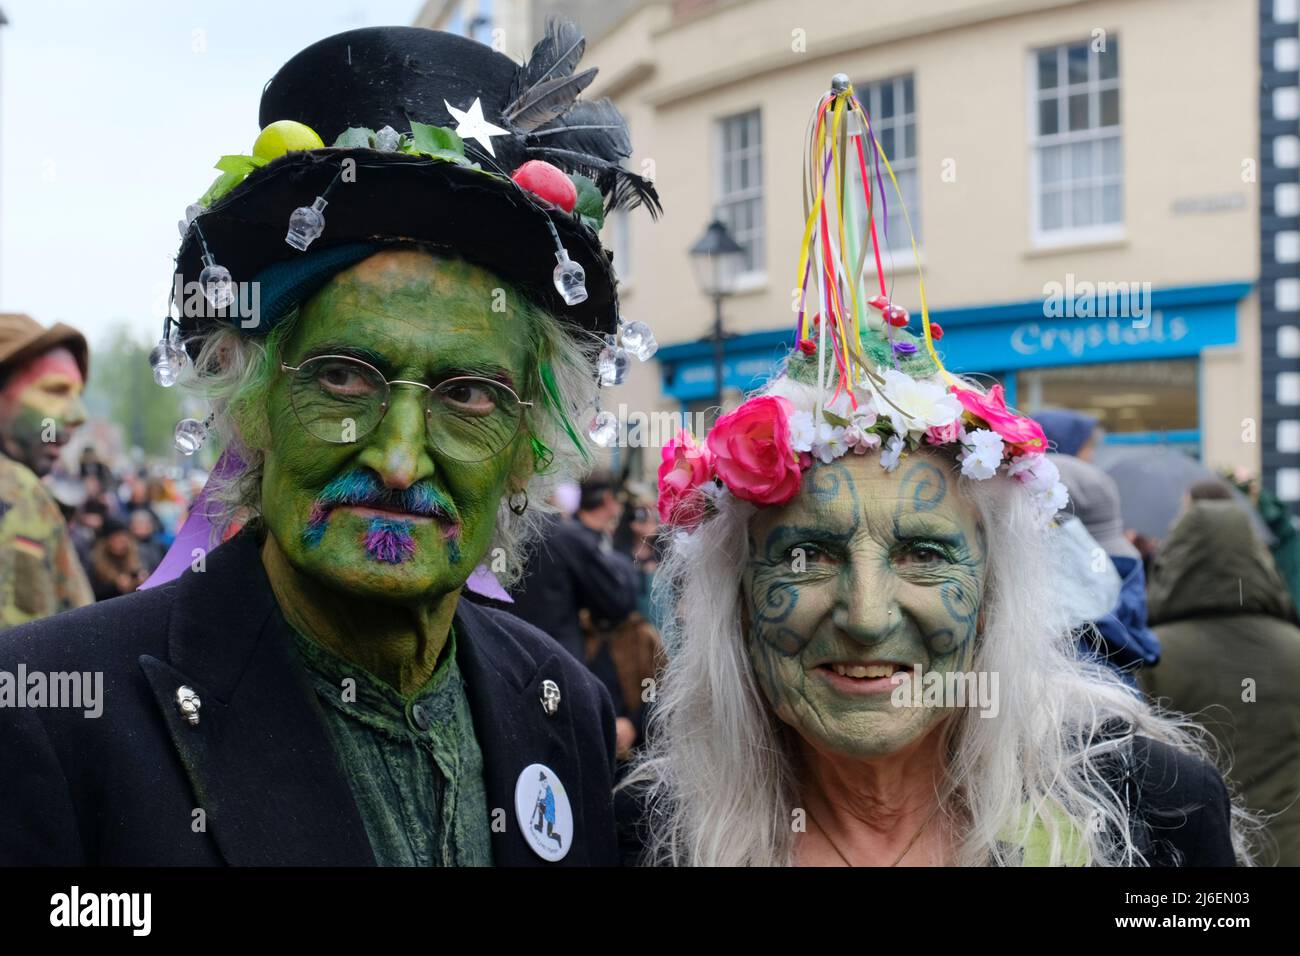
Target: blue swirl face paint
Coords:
[[863, 570]]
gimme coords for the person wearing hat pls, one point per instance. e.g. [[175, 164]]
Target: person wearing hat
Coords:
[[42, 374], [1069, 432], [398, 336], [1121, 637]]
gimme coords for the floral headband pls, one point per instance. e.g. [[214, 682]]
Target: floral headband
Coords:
[[758, 452]]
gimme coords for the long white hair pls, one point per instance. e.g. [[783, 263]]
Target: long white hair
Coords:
[[720, 768]]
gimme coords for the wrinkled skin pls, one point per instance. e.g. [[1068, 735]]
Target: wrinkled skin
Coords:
[[44, 392], [895, 571], [419, 319]]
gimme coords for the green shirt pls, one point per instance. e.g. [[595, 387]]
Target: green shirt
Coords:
[[414, 765]]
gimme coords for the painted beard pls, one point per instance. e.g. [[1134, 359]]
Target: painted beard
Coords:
[[387, 540]]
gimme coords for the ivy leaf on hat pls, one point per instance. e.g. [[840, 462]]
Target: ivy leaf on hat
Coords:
[[437, 142], [234, 170], [591, 205]]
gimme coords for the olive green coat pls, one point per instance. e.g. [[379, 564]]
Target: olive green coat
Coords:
[[1231, 659]]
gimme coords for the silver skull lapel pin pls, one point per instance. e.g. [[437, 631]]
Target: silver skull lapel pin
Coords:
[[188, 702]]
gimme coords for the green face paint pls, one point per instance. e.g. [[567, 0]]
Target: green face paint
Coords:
[[418, 319], [40, 407], [863, 566]]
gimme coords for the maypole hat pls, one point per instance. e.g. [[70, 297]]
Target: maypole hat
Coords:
[[403, 134], [856, 380], [23, 338]]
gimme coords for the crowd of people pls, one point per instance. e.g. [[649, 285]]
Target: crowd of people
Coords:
[[121, 525]]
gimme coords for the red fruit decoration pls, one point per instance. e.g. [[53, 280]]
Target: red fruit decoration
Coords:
[[936, 331], [895, 315], [547, 182], [807, 346]]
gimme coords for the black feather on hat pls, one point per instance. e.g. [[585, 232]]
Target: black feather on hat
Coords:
[[399, 76]]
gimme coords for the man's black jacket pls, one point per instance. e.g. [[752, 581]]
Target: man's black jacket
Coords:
[[123, 789]]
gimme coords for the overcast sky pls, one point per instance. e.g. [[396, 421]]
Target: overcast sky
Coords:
[[112, 113]]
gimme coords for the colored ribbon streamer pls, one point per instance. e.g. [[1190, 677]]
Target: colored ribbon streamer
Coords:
[[827, 244]]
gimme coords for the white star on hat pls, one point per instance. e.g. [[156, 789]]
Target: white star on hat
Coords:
[[472, 125]]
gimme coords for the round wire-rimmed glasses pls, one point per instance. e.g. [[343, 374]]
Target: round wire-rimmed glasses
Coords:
[[341, 399]]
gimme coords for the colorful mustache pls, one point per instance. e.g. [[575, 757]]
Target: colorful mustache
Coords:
[[386, 539]]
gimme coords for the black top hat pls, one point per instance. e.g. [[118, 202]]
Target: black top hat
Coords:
[[391, 77]]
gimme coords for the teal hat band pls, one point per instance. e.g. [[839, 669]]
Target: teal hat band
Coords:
[[284, 285]]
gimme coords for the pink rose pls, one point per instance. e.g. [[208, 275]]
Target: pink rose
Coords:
[[685, 466], [1023, 436], [752, 453], [943, 434]]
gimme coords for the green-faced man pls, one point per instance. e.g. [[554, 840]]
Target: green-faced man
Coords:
[[393, 309]]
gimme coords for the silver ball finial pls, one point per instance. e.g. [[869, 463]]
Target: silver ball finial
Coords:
[[839, 82]]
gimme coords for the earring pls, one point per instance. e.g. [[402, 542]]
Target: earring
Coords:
[[518, 502]]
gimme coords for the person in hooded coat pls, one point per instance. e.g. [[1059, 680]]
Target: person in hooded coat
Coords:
[[1231, 659]]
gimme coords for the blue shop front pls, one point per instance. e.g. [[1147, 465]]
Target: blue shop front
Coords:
[[1141, 378]]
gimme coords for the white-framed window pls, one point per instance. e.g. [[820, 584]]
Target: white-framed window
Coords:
[[891, 108], [1076, 163], [738, 185]]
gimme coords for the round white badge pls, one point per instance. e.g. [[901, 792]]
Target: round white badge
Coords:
[[542, 809]]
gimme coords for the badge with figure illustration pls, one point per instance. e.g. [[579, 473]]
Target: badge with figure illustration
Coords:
[[542, 809]]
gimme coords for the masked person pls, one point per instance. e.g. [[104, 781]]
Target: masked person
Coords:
[[42, 374], [869, 661], [410, 384]]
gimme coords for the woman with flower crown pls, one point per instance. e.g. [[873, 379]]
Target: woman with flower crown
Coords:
[[870, 659]]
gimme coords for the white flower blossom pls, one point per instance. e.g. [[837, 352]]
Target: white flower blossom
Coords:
[[1037, 472], [889, 456], [1048, 503], [920, 404], [1056, 497], [829, 442], [803, 431], [981, 459], [859, 440], [865, 415]]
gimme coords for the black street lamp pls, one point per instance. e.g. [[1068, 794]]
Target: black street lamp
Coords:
[[717, 259]]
